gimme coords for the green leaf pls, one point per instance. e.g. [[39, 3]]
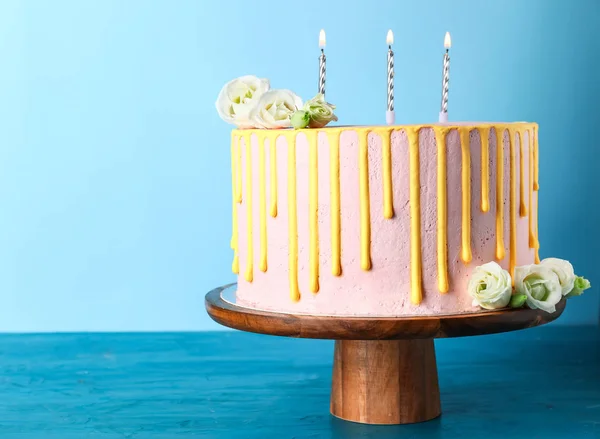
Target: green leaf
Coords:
[[517, 300]]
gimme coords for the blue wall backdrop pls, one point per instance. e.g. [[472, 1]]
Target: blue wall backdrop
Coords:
[[114, 166]]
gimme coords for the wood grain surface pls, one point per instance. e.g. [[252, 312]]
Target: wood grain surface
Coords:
[[385, 381], [373, 328]]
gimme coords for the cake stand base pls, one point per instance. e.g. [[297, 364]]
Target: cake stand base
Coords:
[[384, 368], [385, 382]]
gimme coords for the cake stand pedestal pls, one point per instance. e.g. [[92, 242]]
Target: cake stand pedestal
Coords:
[[384, 368]]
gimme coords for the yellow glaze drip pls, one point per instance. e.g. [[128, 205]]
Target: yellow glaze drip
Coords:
[[500, 251], [386, 153], [262, 204], [513, 204], [233, 211], [235, 265], [334, 184], [292, 217], [416, 290], [522, 206], [536, 187], [465, 252], [536, 170], [273, 175], [249, 275], [238, 178], [442, 212], [530, 182], [313, 210], [484, 134], [365, 205]]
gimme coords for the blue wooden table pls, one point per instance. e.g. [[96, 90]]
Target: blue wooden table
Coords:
[[539, 383]]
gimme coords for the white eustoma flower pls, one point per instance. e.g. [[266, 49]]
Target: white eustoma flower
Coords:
[[275, 109], [239, 97], [541, 286], [490, 286], [564, 271]]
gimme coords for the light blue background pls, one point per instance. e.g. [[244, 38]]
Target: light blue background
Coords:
[[114, 166]]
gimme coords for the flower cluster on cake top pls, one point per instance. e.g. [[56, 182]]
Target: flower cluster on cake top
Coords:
[[538, 286], [249, 102]]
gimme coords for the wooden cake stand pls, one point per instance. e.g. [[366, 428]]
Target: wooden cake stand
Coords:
[[384, 369]]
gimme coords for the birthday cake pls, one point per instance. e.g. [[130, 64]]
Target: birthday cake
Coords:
[[396, 220]]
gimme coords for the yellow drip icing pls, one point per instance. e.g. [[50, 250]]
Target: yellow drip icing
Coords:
[[249, 275], [442, 212], [500, 251], [536, 187], [262, 204], [273, 175], [235, 265], [334, 184], [530, 182], [513, 203], [233, 211], [313, 210], [292, 218], [522, 206], [238, 179], [386, 153], [465, 252], [416, 292], [536, 170], [365, 206], [484, 134], [333, 136]]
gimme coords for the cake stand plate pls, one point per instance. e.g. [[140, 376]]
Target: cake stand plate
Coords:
[[384, 368]]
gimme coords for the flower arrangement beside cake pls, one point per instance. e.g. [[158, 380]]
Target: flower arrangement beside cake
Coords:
[[539, 286], [248, 102], [386, 220]]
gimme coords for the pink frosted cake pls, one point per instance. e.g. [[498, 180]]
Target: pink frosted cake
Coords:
[[386, 221]]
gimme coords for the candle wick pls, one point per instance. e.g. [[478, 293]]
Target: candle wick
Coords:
[[390, 47], [322, 51], [446, 51]]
